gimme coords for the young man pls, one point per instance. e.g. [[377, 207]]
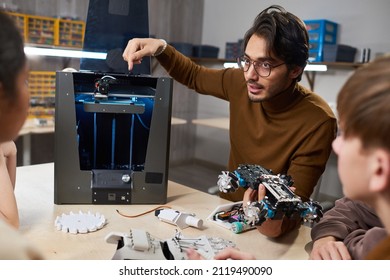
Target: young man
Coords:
[[274, 121]]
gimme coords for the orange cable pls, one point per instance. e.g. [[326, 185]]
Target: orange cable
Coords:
[[143, 213]]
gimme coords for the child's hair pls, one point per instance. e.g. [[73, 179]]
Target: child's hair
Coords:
[[12, 56], [363, 104]]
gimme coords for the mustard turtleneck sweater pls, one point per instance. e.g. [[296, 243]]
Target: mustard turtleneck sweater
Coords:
[[290, 134]]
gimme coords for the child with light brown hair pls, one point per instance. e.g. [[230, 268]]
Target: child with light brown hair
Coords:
[[363, 144]]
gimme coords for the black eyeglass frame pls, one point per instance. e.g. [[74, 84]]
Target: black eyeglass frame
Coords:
[[255, 65]]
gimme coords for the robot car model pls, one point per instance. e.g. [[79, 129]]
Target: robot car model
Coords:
[[279, 200]]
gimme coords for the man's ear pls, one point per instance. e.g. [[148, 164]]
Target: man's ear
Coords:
[[380, 170], [295, 72]]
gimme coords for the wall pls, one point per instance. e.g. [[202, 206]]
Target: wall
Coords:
[[362, 24], [178, 21]]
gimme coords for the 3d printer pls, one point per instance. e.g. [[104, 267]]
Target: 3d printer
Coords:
[[112, 129], [112, 138]]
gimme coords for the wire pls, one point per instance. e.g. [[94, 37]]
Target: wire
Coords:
[[143, 213], [142, 123]]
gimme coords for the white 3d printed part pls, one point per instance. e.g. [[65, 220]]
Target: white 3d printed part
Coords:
[[180, 219], [79, 222]]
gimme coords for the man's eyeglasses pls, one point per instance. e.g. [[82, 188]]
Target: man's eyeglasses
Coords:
[[263, 69]]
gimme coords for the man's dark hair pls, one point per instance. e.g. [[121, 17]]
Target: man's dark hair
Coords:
[[285, 35], [12, 56]]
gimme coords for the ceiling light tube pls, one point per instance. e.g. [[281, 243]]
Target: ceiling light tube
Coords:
[[316, 67], [230, 65], [63, 53]]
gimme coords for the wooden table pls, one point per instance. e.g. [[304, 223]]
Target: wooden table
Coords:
[[34, 194]]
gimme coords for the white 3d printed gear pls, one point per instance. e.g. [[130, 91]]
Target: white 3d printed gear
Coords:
[[79, 222]]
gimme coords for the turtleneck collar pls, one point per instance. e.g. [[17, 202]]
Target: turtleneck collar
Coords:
[[284, 100]]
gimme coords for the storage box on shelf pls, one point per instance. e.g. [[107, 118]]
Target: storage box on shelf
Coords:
[[184, 48], [71, 33], [50, 31], [42, 30], [339, 53], [321, 32], [42, 88], [205, 51], [233, 49]]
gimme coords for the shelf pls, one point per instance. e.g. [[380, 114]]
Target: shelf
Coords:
[[32, 126], [176, 121], [340, 64], [331, 64], [41, 86], [211, 60], [49, 30], [310, 75], [71, 33], [346, 65]]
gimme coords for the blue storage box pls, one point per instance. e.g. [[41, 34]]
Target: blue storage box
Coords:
[[321, 32]]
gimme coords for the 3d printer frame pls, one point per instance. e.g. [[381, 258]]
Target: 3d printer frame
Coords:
[[143, 182]]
